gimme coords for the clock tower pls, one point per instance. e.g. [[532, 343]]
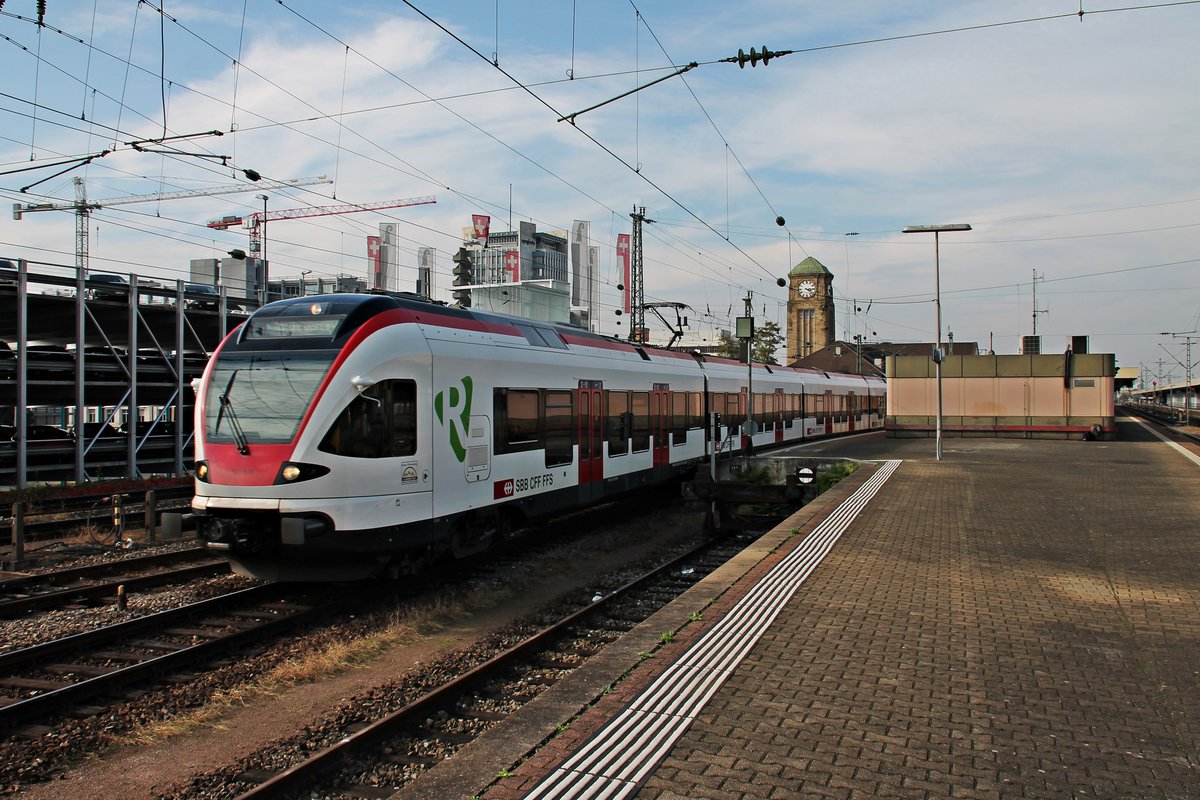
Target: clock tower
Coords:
[[809, 309]]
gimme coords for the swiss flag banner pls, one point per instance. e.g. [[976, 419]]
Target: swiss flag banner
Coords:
[[482, 225], [373, 247], [512, 265], [623, 255]]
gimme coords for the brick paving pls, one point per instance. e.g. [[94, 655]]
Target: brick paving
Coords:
[[1018, 620]]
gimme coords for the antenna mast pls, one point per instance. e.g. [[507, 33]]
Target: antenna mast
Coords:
[[1037, 310]]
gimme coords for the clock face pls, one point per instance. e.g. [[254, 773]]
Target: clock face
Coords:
[[807, 288]]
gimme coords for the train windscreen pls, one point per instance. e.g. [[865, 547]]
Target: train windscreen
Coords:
[[261, 397]]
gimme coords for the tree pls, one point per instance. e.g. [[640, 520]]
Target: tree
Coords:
[[727, 346], [766, 339]]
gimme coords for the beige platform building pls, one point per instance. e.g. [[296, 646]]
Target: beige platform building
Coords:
[[1061, 396]]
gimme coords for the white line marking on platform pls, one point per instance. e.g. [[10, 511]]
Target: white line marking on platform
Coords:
[[1188, 453]]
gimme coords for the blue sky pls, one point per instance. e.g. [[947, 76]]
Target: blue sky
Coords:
[[1069, 144]]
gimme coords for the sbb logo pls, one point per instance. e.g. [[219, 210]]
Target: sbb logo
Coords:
[[502, 489]]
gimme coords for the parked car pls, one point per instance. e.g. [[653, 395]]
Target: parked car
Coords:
[[8, 272], [202, 295], [50, 362], [46, 444], [103, 364], [98, 432], [107, 286], [8, 449], [206, 297]]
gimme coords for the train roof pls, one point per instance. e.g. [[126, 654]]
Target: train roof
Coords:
[[357, 308]]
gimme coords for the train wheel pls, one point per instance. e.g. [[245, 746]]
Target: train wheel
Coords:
[[475, 534]]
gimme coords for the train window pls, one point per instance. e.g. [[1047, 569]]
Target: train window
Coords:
[[762, 411], [560, 428], [517, 420], [695, 410], [641, 421], [716, 404], [379, 423], [403, 428], [679, 417], [733, 407], [541, 337], [619, 424], [791, 404]]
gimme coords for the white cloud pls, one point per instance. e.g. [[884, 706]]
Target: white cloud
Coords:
[[1031, 132]]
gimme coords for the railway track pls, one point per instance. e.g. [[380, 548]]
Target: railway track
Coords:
[[123, 682], [66, 675], [100, 582], [374, 757], [40, 681]]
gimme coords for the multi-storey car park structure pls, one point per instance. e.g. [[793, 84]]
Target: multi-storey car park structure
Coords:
[[96, 371]]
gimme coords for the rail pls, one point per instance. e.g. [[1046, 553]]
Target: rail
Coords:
[[359, 744]]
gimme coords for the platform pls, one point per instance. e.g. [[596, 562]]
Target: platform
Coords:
[[1021, 619]]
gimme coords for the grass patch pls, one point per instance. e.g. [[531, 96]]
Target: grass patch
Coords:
[[830, 476], [328, 660]]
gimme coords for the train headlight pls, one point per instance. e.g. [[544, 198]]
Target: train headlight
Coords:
[[292, 472], [202, 471]]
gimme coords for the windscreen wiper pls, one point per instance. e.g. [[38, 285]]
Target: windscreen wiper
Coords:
[[239, 436]]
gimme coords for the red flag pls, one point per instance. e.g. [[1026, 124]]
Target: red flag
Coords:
[[512, 264], [482, 224], [373, 248], [623, 254]]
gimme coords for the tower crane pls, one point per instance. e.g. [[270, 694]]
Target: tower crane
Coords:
[[83, 207], [257, 222]]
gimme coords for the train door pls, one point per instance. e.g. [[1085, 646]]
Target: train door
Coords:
[[660, 424], [828, 412], [780, 412], [743, 413], [591, 434], [852, 409]]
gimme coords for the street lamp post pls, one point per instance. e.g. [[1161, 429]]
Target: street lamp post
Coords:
[[938, 355], [264, 294]]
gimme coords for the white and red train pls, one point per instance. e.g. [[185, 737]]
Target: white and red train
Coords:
[[340, 435]]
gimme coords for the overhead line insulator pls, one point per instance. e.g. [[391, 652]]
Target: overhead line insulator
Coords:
[[754, 56]]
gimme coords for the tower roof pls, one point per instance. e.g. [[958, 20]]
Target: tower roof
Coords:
[[809, 266]]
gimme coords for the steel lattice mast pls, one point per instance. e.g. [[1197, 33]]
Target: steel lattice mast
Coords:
[[637, 306]]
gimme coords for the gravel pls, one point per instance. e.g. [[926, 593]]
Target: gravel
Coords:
[[26, 760]]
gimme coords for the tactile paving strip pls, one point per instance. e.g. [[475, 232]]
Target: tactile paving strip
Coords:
[[613, 762]]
